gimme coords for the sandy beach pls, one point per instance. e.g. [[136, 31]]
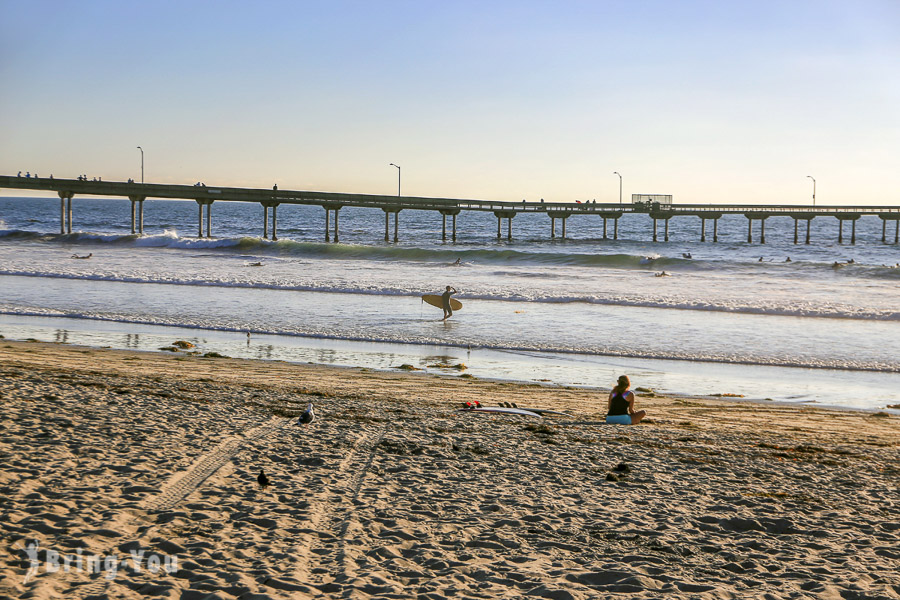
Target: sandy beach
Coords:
[[149, 461]]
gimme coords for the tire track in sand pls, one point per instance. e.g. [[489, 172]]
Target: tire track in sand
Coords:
[[182, 484], [327, 529]]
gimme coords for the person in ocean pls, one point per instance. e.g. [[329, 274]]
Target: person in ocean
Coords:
[[445, 302], [620, 406]]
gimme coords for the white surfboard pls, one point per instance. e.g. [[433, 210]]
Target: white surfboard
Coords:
[[501, 409]]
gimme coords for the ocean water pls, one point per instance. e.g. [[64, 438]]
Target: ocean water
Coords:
[[735, 317]]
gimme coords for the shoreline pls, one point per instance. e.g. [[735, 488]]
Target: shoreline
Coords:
[[796, 387], [392, 493]]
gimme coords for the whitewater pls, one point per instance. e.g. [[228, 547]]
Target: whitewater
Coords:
[[799, 323]]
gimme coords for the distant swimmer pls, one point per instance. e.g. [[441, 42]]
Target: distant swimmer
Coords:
[[256, 264], [83, 257], [445, 302], [662, 274], [788, 259], [686, 255], [760, 259], [836, 265], [851, 261], [458, 262]]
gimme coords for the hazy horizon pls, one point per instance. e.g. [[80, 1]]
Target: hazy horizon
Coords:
[[709, 102]]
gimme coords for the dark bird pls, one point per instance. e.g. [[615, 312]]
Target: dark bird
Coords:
[[262, 480], [307, 416]]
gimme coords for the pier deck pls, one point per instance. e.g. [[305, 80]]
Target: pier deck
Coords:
[[332, 202]]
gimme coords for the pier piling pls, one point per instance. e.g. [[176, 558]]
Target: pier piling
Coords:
[[137, 201], [444, 213], [275, 222], [65, 210], [387, 223]]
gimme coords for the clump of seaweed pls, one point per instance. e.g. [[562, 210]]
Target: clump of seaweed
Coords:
[[458, 367], [183, 344]]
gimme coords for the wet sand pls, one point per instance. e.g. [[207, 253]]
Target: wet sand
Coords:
[[392, 493]]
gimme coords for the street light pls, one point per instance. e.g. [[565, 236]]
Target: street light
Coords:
[[398, 177], [814, 188], [620, 186], [142, 163]]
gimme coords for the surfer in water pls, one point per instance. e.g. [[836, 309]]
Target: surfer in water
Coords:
[[620, 406], [445, 302]]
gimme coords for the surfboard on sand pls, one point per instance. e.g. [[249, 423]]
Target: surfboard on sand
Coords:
[[501, 409], [435, 300], [546, 411]]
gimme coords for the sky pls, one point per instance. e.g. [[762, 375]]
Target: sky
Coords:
[[710, 101]]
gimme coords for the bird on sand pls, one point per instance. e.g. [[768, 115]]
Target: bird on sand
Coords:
[[262, 479], [307, 416]]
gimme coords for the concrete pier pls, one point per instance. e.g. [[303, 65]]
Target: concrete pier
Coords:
[[203, 195]]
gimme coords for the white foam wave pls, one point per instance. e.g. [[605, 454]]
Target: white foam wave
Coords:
[[760, 306]]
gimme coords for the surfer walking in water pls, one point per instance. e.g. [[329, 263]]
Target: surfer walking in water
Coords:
[[445, 302]]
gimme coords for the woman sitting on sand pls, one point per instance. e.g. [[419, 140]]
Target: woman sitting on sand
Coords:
[[620, 407]]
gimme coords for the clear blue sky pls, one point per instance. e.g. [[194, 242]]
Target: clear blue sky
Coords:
[[710, 101]]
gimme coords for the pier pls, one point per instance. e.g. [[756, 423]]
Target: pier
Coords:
[[656, 207]]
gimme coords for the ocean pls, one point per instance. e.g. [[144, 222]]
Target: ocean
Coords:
[[731, 317]]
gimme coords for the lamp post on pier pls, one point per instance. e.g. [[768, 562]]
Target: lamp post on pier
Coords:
[[398, 177], [142, 163], [620, 186], [814, 188]]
